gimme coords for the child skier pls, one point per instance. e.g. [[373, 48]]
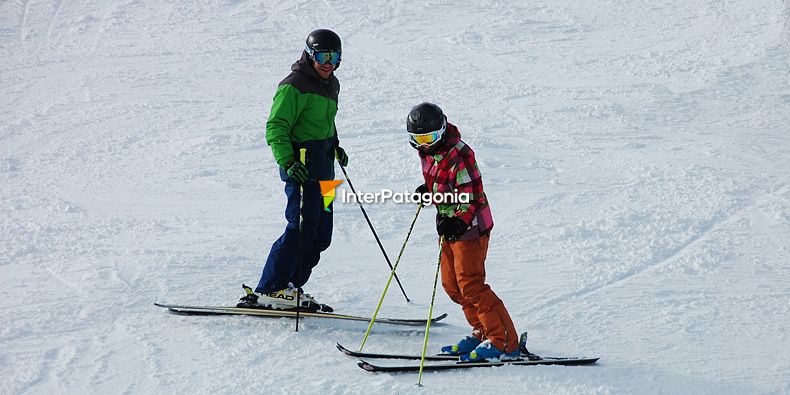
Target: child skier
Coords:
[[448, 166]]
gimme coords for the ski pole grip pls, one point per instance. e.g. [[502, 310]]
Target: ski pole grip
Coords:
[[302, 155]]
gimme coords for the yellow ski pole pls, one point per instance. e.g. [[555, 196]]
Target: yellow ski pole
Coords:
[[302, 158], [389, 280], [430, 313]]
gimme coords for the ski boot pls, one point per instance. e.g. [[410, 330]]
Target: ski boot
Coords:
[[284, 299], [464, 346], [486, 351]]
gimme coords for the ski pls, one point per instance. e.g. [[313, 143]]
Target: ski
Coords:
[[358, 354], [273, 313], [465, 365], [434, 357]]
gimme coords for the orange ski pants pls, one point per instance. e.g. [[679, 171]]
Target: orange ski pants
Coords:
[[463, 278]]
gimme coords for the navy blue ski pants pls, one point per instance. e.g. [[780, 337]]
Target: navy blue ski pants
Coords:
[[282, 265]]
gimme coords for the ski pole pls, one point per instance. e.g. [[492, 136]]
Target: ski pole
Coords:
[[389, 280], [430, 313], [302, 157], [376, 236]]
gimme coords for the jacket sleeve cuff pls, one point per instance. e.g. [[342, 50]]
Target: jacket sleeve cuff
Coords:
[[283, 159]]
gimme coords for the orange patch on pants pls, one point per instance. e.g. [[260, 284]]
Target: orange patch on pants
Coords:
[[463, 278]]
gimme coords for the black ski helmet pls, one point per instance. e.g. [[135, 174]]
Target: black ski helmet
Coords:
[[425, 118], [323, 40]]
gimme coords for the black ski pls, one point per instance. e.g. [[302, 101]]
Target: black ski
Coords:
[[464, 365], [358, 354], [274, 313], [435, 357], [451, 361]]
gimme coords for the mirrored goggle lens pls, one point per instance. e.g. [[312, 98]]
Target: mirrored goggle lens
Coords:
[[324, 57], [426, 138]]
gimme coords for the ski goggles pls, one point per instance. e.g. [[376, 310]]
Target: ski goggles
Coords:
[[324, 57], [427, 139]]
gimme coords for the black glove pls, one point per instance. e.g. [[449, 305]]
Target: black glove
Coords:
[[296, 171], [421, 189], [341, 156], [451, 227]]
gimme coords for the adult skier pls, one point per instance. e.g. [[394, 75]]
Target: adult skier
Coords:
[[449, 166], [302, 116]]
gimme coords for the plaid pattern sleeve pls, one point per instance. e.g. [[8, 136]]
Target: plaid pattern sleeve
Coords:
[[469, 181], [455, 170]]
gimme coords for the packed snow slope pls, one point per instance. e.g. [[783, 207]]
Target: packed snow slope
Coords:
[[635, 154]]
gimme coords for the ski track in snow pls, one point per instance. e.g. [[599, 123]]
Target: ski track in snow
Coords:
[[23, 24], [658, 264], [635, 156]]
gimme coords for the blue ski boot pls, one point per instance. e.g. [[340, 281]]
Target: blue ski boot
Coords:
[[465, 346], [486, 351]]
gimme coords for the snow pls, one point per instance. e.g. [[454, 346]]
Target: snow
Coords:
[[635, 154]]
